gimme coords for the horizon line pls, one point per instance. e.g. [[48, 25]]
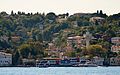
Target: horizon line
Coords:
[[26, 12]]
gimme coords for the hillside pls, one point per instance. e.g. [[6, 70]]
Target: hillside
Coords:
[[27, 35]]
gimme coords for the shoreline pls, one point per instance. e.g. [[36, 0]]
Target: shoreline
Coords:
[[57, 66]]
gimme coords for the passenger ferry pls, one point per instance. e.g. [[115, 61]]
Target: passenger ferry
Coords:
[[71, 62]]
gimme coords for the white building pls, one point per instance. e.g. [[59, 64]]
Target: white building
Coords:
[[100, 20], [75, 23], [61, 18], [115, 61], [4, 38], [5, 59], [115, 40], [98, 61], [28, 62], [83, 60]]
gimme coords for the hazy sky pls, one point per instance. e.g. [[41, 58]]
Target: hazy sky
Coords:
[[60, 6]]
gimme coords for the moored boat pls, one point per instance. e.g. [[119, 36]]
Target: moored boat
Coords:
[[87, 64]]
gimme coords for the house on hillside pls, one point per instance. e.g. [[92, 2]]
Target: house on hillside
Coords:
[[116, 44], [115, 48], [61, 18], [52, 51], [97, 20], [83, 15], [15, 38], [76, 41], [115, 40]]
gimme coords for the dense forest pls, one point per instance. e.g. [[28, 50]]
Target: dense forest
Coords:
[[26, 35]]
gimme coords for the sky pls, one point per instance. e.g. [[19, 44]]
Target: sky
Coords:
[[61, 6]]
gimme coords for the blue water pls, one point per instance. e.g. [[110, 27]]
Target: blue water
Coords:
[[60, 71]]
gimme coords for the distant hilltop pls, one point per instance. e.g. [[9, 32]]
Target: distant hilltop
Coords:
[[81, 13]]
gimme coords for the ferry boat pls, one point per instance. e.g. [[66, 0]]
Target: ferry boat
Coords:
[[71, 62], [87, 64], [42, 64]]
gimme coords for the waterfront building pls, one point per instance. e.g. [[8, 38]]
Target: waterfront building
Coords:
[[115, 61], [5, 59], [98, 61], [28, 62]]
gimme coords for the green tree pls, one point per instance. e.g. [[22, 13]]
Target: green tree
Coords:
[[51, 16], [12, 13], [16, 57], [24, 50], [101, 12], [96, 50]]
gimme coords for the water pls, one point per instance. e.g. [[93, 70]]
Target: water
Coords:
[[60, 71]]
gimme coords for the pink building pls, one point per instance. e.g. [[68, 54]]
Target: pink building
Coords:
[[75, 40], [115, 48]]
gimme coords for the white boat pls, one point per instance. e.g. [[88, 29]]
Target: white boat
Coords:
[[42, 64], [87, 64]]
